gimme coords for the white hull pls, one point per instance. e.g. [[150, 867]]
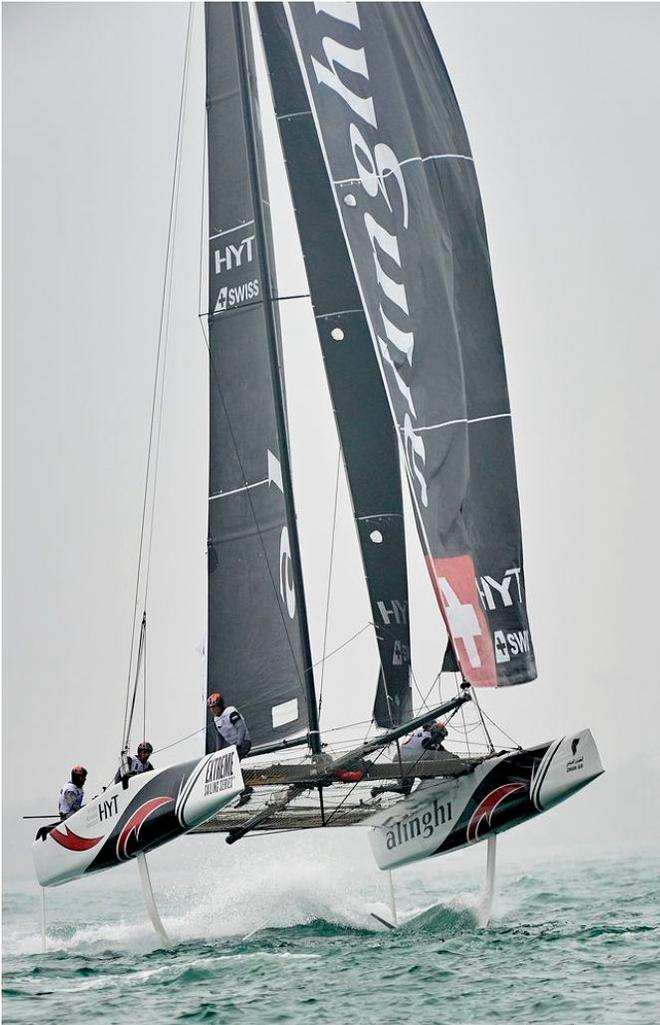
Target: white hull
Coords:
[[500, 793], [121, 822]]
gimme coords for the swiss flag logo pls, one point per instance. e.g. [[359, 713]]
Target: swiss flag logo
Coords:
[[455, 585]]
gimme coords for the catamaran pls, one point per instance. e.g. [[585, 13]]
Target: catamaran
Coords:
[[392, 231]]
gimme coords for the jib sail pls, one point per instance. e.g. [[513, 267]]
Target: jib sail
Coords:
[[258, 647], [365, 426], [407, 194]]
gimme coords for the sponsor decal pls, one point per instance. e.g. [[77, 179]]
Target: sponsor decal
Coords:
[[400, 654], [486, 808], [501, 647], [395, 612], [135, 823], [108, 808], [494, 593], [219, 774], [576, 763], [237, 295], [230, 256], [232, 264], [423, 825], [456, 588], [509, 645], [72, 841]]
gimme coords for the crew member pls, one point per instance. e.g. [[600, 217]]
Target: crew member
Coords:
[[230, 725], [232, 730], [422, 745], [142, 763], [133, 766], [70, 800], [71, 794]]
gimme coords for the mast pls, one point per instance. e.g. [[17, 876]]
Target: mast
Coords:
[[248, 91], [258, 644]]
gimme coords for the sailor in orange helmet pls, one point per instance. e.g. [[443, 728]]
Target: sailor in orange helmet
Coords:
[[70, 799], [230, 725], [71, 794], [426, 742], [232, 730]]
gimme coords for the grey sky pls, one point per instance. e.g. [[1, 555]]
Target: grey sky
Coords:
[[560, 103]]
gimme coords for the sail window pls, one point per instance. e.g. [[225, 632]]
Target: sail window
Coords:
[[376, 537], [337, 334], [284, 713]]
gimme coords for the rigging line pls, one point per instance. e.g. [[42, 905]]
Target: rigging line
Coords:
[[457, 676], [140, 654], [158, 358], [483, 723], [498, 727], [174, 743], [202, 234], [177, 172], [257, 302], [327, 596], [335, 650], [423, 697], [144, 690], [350, 726]]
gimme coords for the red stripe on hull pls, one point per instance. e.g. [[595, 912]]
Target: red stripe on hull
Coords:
[[72, 841], [487, 807]]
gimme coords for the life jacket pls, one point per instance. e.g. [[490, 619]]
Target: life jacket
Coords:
[[71, 799], [137, 766], [232, 729]]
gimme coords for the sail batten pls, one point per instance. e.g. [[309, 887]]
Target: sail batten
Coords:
[[407, 196]]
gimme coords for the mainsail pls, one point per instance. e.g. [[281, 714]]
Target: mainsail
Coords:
[[407, 194], [258, 647], [368, 437]]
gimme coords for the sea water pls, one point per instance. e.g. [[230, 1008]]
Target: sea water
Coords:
[[280, 929]]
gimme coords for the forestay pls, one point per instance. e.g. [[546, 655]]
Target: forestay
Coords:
[[407, 193], [258, 649]]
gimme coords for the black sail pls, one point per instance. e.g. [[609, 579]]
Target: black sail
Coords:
[[406, 189], [258, 647], [365, 426]]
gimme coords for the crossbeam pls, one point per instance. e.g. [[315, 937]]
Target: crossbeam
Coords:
[[325, 770], [446, 764]]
